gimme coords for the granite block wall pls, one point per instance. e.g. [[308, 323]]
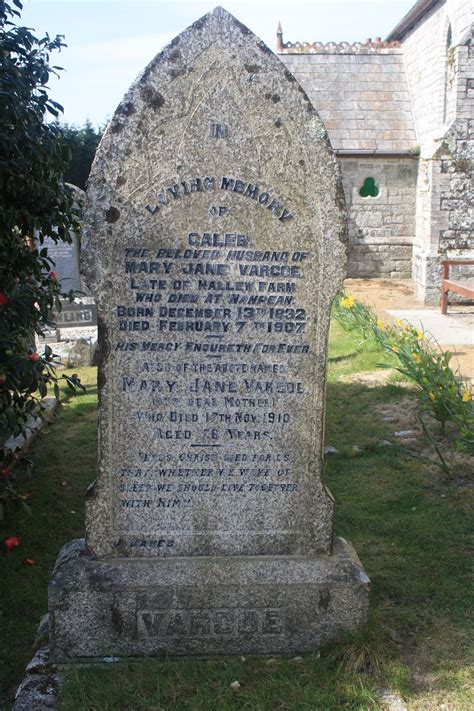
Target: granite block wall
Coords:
[[434, 69], [439, 62], [411, 94], [381, 228], [456, 205]]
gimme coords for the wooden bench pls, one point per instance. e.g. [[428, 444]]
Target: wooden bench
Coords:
[[463, 286]]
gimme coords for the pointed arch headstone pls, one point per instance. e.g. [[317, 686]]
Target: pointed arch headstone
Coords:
[[214, 243]]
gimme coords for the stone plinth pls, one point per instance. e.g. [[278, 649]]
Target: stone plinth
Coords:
[[202, 606]]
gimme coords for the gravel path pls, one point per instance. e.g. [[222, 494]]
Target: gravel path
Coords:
[[386, 295]]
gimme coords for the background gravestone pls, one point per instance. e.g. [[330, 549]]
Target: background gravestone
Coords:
[[80, 313], [66, 262], [214, 245], [66, 256], [77, 319]]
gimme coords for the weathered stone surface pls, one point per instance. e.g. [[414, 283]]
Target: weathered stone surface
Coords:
[[214, 244], [40, 686], [81, 353], [199, 606]]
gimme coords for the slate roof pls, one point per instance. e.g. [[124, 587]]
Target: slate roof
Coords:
[[414, 15], [361, 96]]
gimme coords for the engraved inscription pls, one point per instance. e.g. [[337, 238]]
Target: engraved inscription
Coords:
[[210, 184], [224, 316], [161, 623], [214, 286], [218, 210], [218, 130]]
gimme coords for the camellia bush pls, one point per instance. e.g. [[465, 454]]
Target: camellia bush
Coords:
[[443, 392], [34, 203]]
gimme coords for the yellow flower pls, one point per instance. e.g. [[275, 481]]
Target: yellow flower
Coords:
[[466, 396], [420, 335], [431, 396], [416, 357], [395, 349], [380, 324], [347, 302], [399, 323]]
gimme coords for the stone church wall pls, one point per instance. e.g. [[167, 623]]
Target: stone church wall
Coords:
[[381, 228], [439, 62], [425, 58], [412, 94], [435, 64]]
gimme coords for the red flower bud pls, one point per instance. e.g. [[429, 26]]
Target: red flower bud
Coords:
[[53, 276], [12, 542], [6, 471], [29, 561], [4, 299], [33, 356]]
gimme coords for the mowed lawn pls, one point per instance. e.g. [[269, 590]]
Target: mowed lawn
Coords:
[[411, 526]]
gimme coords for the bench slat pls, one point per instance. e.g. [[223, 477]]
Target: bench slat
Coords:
[[463, 288]]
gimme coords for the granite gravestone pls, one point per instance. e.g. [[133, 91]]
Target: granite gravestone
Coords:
[[66, 256], [81, 312], [214, 244], [66, 262]]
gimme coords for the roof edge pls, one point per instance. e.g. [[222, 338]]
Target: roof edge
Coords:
[[367, 47], [376, 153], [420, 8]]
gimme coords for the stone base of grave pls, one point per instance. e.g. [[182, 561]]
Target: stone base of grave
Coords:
[[200, 607]]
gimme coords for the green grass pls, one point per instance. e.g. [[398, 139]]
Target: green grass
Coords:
[[349, 353], [410, 527], [266, 685], [64, 456]]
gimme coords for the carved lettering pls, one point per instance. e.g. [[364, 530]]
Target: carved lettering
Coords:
[[218, 130], [231, 623]]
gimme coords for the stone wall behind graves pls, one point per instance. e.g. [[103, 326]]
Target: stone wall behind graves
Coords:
[[381, 227]]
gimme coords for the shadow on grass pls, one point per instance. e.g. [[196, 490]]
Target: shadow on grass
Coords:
[[264, 685], [64, 455], [342, 358], [410, 530], [410, 527]]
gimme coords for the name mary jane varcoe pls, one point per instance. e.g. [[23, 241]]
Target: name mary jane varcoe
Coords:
[[214, 244]]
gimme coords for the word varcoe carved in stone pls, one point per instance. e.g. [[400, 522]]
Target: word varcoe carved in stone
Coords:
[[214, 244]]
